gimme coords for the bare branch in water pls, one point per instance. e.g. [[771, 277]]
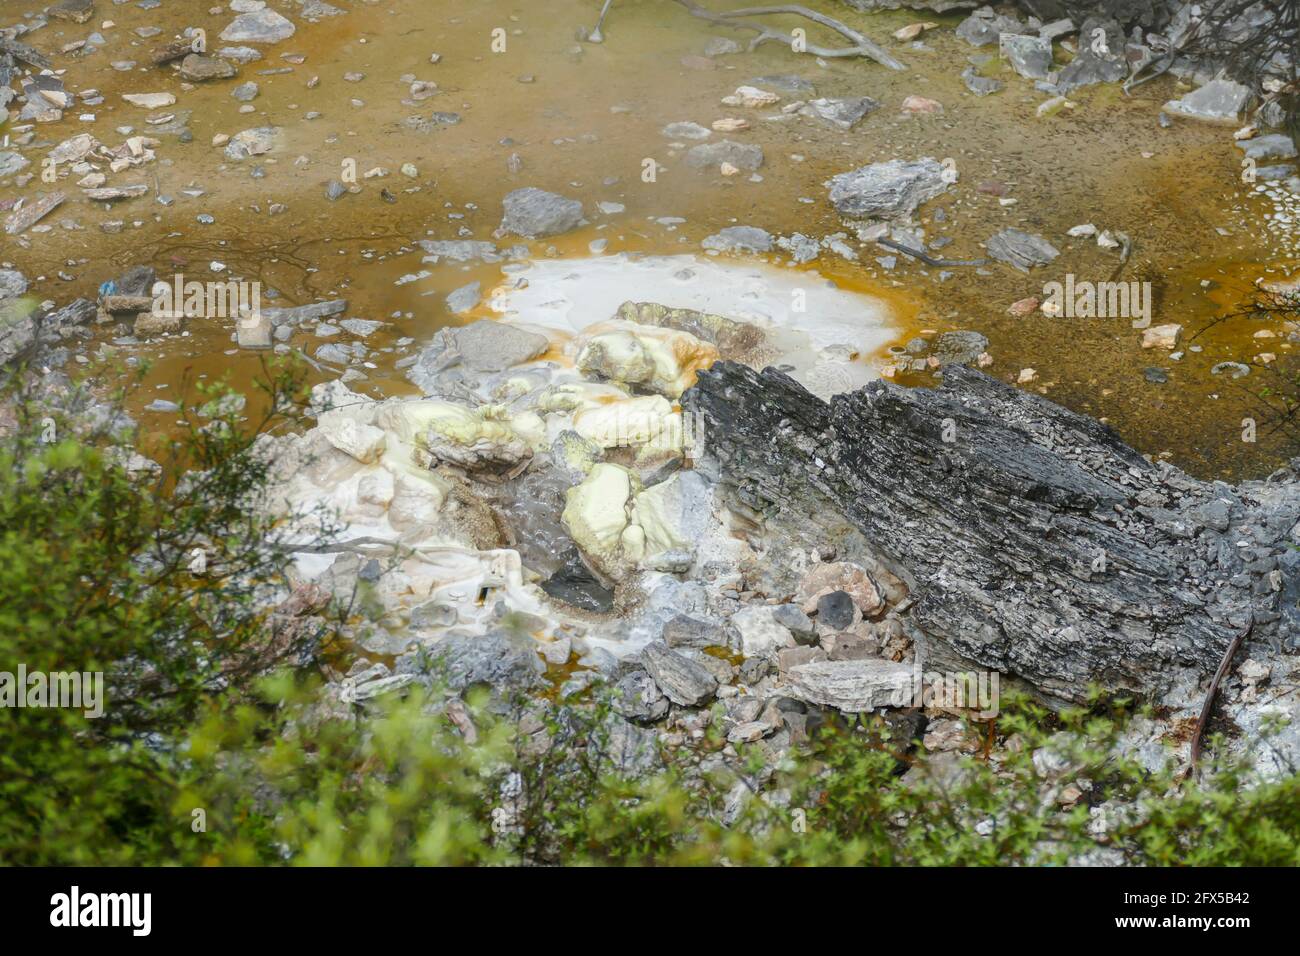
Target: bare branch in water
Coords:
[[862, 46]]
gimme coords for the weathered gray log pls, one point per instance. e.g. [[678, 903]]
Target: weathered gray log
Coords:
[[1034, 541]]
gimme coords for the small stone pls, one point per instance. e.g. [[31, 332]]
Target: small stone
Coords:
[[796, 622], [835, 611], [752, 97], [1161, 336], [682, 680]]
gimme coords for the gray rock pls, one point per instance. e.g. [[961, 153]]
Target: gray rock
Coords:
[[1022, 250], [840, 112], [1219, 101], [315, 9], [787, 83], [980, 85], [835, 611], [801, 248], [1029, 56], [465, 298], [535, 213], [854, 686], [433, 614], [1272, 146], [686, 130], [260, 26], [499, 659], [721, 46], [12, 284], [76, 11], [19, 222], [361, 327], [460, 250], [245, 92], [486, 345], [198, 68], [1049, 621], [890, 190], [713, 155], [252, 142], [686, 631], [682, 680], [1269, 174], [959, 347], [1091, 65], [1232, 369], [334, 354], [637, 697], [491, 346], [629, 749], [11, 163], [240, 54], [981, 29], [295, 315], [739, 239], [1056, 29], [335, 190], [794, 620]]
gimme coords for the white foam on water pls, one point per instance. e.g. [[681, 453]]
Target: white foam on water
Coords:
[[829, 342]]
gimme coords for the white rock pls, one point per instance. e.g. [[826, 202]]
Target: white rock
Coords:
[[365, 443], [760, 634], [597, 516], [752, 97], [656, 359], [852, 686], [1161, 336], [149, 101]]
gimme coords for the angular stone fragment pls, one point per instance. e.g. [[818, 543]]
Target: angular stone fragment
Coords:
[[713, 155], [739, 239], [1031, 57], [198, 68], [172, 50], [254, 332], [1022, 250], [1219, 101], [535, 213], [682, 680], [32, 213], [854, 686], [76, 11], [149, 101], [840, 112], [889, 190], [260, 26], [686, 631], [293, 315], [637, 697]]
